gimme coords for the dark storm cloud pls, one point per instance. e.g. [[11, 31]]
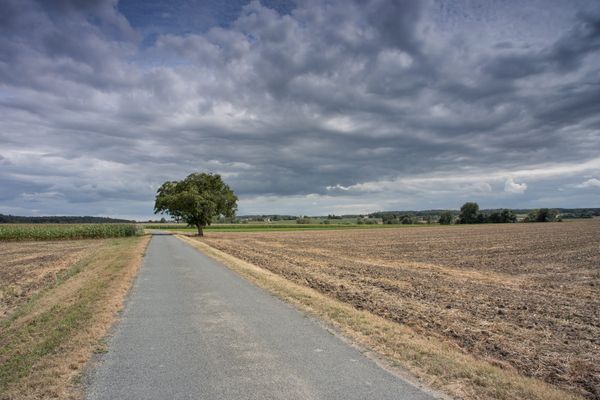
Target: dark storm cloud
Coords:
[[563, 56], [328, 106]]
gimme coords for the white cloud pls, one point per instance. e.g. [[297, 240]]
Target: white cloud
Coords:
[[511, 186], [590, 183]]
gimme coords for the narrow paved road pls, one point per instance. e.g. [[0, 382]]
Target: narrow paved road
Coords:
[[193, 329]]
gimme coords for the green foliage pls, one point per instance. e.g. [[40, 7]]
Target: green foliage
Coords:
[[469, 213], [406, 220], [303, 221], [66, 231], [389, 219], [446, 218], [501, 217], [196, 199], [392, 218], [366, 221], [542, 215]]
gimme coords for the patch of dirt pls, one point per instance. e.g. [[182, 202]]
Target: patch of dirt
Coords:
[[525, 297], [28, 267]]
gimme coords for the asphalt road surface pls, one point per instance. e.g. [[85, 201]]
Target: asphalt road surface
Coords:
[[193, 329]]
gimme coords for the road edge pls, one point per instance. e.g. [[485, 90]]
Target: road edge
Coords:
[[435, 366], [253, 274]]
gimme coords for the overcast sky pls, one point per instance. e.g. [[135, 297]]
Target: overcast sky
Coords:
[[307, 107]]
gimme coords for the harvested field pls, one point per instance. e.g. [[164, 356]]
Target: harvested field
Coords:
[[524, 297], [61, 299], [28, 267]]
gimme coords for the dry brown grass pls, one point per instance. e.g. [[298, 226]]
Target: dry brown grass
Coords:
[[521, 298], [28, 267], [47, 340]]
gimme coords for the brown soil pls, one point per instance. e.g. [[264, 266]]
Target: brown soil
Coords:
[[525, 297], [28, 267]]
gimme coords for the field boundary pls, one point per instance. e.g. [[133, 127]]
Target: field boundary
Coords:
[[430, 360]]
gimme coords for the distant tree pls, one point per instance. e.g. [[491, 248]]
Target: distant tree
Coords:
[[469, 214], [507, 216], [303, 220], [446, 218], [163, 220], [495, 217], [390, 219], [406, 220], [196, 199], [542, 215]]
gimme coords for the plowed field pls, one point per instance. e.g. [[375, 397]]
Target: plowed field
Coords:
[[522, 296]]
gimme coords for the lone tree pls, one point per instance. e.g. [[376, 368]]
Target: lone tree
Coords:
[[469, 213], [196, 199]]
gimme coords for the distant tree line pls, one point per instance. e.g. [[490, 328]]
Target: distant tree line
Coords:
[[470, 214], [543, 215], [366, 221], [14, 219], [405, 219], [419, 214], [265, 218]]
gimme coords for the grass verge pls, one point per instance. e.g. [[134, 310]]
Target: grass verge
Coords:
[[48, 340], [278, 227], [433, 361]]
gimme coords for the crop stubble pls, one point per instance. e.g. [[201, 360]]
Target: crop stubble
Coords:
[[27, 267], [522, 296]]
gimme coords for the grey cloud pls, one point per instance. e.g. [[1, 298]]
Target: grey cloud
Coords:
[[563, 56], [395, 23], [583, 39]]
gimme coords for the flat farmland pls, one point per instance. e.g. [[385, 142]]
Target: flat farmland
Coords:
[[57, 300], [523, 297], [28, 267]]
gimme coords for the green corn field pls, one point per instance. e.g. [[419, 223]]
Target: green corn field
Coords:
[[66, 231]]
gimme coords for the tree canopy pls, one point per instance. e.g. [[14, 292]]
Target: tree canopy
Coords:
[[542, 215], [469, 213], [446, 218], [196, 199]]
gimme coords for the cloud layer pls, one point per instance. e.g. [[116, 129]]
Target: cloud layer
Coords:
[[311, 107]]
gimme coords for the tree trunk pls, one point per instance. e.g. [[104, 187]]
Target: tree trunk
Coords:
[[200, 232]]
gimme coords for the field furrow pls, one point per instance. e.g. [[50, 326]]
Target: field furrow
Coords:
[[522, 296]]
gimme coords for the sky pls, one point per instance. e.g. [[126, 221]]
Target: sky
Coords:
[[303, 107]]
